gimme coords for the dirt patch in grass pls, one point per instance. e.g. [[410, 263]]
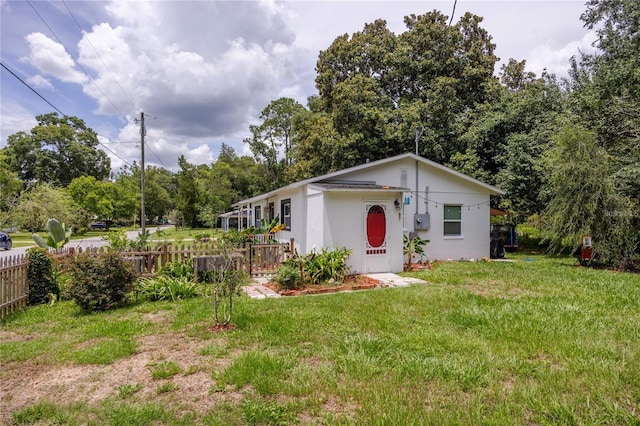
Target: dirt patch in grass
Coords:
[[25, 383], [10, 336]]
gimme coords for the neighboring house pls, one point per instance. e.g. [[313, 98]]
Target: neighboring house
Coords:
[[367, 208], [230, 220]]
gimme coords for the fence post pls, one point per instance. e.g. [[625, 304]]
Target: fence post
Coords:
[[164, 255], [249, 257]]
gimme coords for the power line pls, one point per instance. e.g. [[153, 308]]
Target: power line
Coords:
[[96, 52], [155, 155], [32, 89], [74, 61], [57, 109], [453, 12]]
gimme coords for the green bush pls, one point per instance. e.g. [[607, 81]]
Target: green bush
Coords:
[[328, 265], [165, 287], [178, 269], [288, 277], [41, 277], [323, 267], [101, 282]]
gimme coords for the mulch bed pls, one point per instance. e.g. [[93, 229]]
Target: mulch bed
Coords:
[[350, 283]]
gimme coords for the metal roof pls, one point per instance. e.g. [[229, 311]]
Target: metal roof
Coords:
[[329, 176]]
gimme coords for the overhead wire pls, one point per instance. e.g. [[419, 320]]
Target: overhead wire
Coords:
[[75, 62], [32, 89], [424, 198], [57, 109], [155, 155], [86, 35]]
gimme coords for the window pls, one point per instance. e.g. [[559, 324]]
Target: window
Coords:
[[272, 213], [285, 213], [257, 215], [376, 230], [452, 220]]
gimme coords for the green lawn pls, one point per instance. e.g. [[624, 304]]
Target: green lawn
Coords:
[[164, 233], [535, 341]]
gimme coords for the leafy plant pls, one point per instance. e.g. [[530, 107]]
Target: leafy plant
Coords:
[[413, 245], [101, 282], [227, 278], [315, 268], [166, 287], [117, 240], [178, 269], [141, 241], [288, 276], [58, 236], [40, 277], [328, 265]]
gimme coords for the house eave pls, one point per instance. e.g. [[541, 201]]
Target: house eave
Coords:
[[489, 188]]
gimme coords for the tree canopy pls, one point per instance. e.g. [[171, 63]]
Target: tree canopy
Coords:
[[57, 150]]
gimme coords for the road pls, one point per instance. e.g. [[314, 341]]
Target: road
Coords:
[[83, 243]]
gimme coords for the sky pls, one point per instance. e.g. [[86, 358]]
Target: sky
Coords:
[[201, 71]]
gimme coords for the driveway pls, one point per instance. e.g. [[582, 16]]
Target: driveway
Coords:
[[83, 243]]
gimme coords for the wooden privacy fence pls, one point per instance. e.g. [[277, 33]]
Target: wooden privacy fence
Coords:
[[14, 290], [260, 259]]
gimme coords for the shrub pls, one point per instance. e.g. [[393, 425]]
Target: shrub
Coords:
[[117, 240], [288, 276], [101, 282], [178, 269], [41, 277], [326, 266], [165, 287]]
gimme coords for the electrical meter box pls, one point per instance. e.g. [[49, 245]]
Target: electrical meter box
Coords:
[[421, 221]]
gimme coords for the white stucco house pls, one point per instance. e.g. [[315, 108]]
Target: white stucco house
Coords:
[[367, 208]]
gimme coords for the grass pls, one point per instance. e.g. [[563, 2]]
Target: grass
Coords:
[[163, 233], [174, 233], [535, 341]]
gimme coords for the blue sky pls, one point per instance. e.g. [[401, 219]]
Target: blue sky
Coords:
[[203, 70]]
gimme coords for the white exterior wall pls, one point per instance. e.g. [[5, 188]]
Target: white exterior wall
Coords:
[[444, 188], [345, 222], [316, 218]]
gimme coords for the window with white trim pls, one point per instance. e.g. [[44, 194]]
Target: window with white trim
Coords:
[[285, 213], [452, 220]]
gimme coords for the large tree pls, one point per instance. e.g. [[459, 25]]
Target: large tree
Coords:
[[57, 150], [188, 196], [606, 87], [92, 195], [271, 141], [10, 187], [585, 201], [44, 201], [379, 90]]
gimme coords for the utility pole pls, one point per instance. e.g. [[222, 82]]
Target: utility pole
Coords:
[[143, 131]]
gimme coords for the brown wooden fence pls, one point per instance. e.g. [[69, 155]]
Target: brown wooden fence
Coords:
[[261, 259], [14, 290]]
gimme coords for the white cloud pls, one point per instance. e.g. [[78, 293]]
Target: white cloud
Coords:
[[40, 82], [205, 69], [15, 118], [51, 58], [556, 60]]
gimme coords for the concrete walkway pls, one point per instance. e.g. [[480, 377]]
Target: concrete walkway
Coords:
[[257, 289]]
